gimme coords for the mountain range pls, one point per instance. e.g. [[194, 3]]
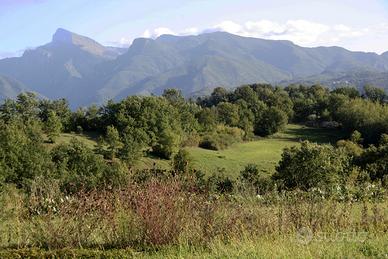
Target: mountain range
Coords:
[[83, 71]]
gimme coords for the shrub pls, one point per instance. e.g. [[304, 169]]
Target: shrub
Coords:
[[181, 162], [222, 138], [252, 178], [271, 121], [220, 183], [310, 166]]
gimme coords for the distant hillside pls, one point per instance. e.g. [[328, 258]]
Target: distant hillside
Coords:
[[10, 88], [356, 79], [84, 71]]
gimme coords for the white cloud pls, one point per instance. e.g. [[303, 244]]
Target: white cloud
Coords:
[[158, 32], [301, 32], [190, 31], [229, 26]]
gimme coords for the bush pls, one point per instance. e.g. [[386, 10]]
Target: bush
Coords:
[[219, 183], [312, 166], [222, 138], [271, 121], [252, 178], [79, 167], [181, 162]]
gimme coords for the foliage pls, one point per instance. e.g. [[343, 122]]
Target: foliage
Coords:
[[273, 120], [182, 162], [112, 139], [22, 153], [222, 138], [374, 93], [79, 167], [53, 126], [311, 166]]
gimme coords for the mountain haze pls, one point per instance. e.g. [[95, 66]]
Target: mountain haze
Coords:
[[84, 71]]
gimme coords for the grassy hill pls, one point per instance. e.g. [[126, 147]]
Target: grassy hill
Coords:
[[265, 152]]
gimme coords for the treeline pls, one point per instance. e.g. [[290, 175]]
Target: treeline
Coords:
[[163, 125]]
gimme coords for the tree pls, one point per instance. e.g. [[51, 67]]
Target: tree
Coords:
[[272, 121], [174, 96], [228, 114], [27, 106], [207, 118], [60, 108], [374, 93], [53, 126], [168, 143], [182, 162], [218, 95], [312, 165], [23, 155], [134, 141], [78, 167], [350, 92], [112, 139]]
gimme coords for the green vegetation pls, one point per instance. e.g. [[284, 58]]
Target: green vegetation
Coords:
[[162, 175], [265, 152]]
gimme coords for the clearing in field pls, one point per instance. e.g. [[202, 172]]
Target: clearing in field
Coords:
[[265, 152]]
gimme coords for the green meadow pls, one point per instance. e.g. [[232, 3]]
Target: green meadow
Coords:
[[264, 152]]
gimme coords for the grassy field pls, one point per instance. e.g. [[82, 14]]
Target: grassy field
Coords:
[[269, 247], [265, 152]]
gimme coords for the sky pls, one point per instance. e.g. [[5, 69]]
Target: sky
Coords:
[[359, 25]]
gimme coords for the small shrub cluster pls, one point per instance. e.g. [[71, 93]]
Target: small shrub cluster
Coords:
[[222, 138]]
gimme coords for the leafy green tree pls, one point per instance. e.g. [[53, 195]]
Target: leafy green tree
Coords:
[[383, 139], [112, 139], [207, 118], [246, 118], [53, 126], [60, 108], [350, 92], [374, 160], [174, 96], [374, 93], [218, 95], [23, 155], [78, 167], [8, 110], [134, 141], [272, 121], [228, 113], [356, 137], [27, 106], [367, 117], [312, 165], [168, 143], [181, 162]]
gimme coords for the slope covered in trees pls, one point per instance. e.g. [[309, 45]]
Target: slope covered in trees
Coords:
[[83, 71]]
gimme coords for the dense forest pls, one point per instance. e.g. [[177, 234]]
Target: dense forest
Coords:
[[55, 180]]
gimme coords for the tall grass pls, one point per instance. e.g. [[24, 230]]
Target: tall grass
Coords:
[[164, 214]]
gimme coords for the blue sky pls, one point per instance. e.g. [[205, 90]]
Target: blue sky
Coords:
[[354, 24]]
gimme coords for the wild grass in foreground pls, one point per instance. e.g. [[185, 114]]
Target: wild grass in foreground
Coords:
[[172, 218]]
